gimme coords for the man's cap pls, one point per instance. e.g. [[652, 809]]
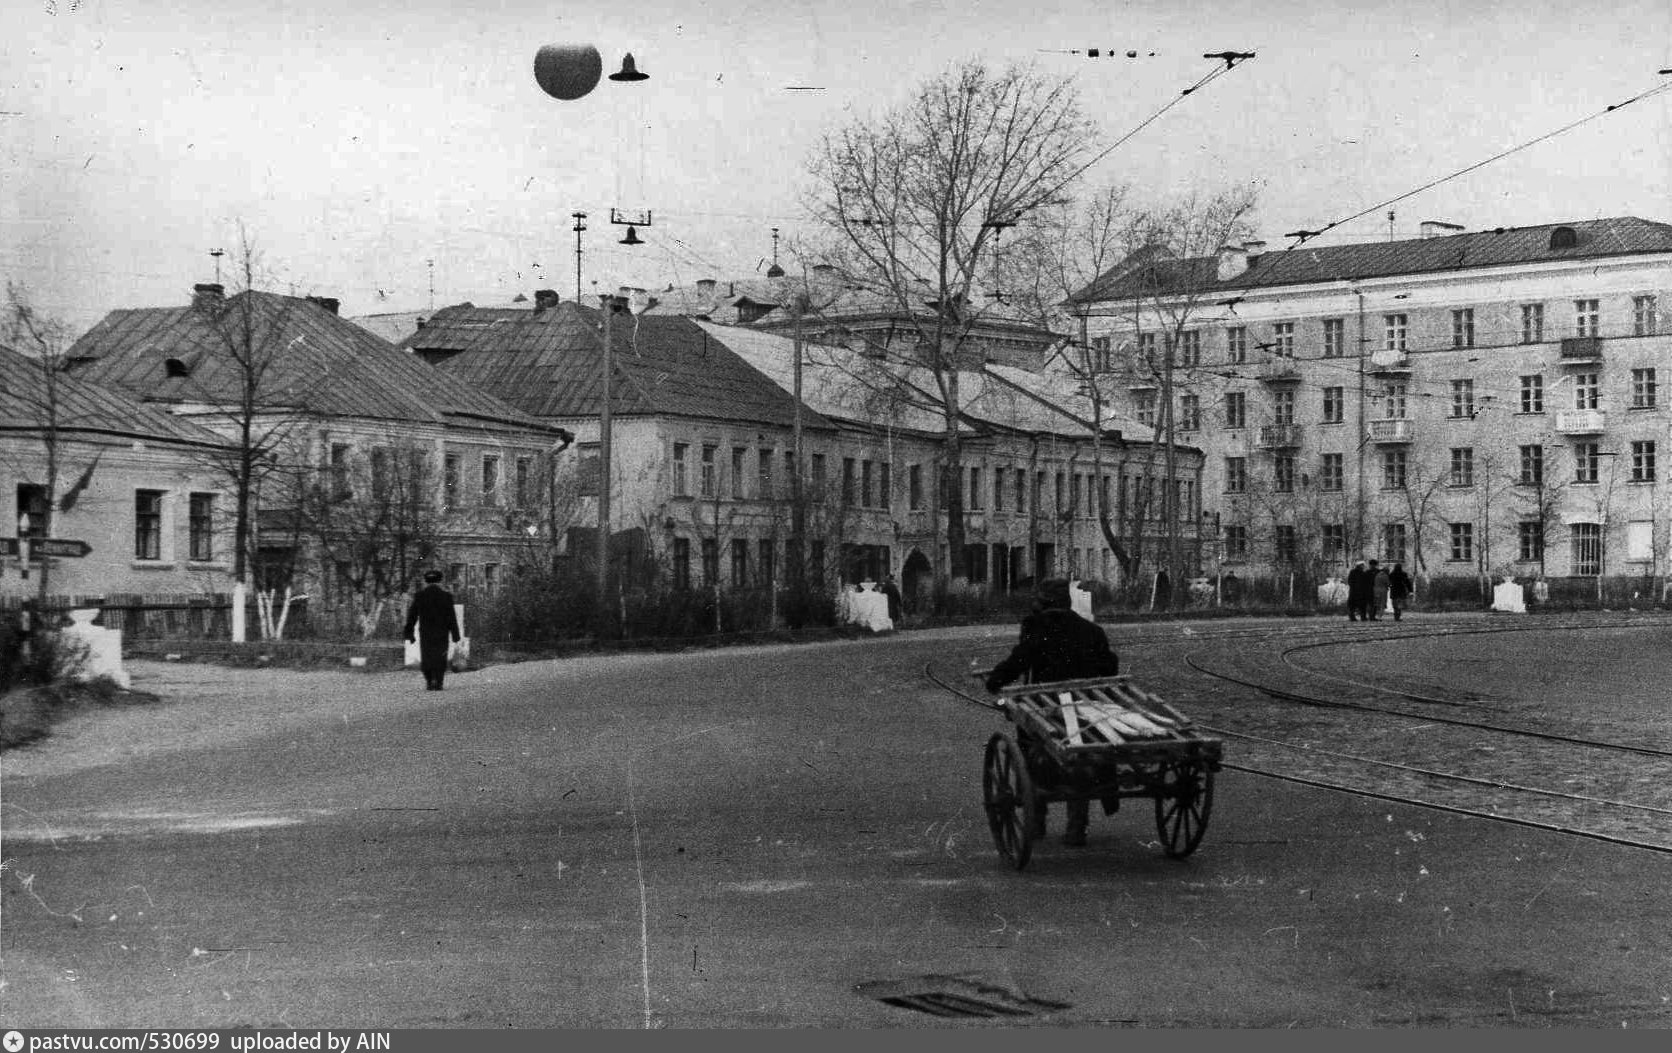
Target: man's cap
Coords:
[[433, 576], [1054, 592]]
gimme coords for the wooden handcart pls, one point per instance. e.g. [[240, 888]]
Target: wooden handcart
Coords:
[[1103, 740]]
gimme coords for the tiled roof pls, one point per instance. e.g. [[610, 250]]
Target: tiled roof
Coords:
[[547, 364], [1595, 239], [848, 385], [321, 363], [830, 298], [85, 408]]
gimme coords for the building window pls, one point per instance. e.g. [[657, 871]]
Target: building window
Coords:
[[380, 471], [1236, 345], [849, 480], [1236, 542], [1236, 475], [1334, 541], [818, 473], [1642, 388], [1394, 328], [201, 526], [681, 485], [1462, 542], [998, 489], [1283, 407], [1643, 316], [1101, 356], [1463, 398], [1587, 392], [738, 454], [1146, 350], [1332, 472], [1190, 412], [490, 578], [1393, 542], [1532, 465], [1021, 491], [1283, 340], [1585, 315], [1335, 405], [1283, 473], [1463, 327], [766, 563], [1393, 400], [739, 562], [1335, 338], [525, 481], [1393, 469], [1587, 456], [1529, 537], [1236, 409], [341, 485], [1586, 539], [1283, 542], [914, 487], [148, 524], [710, 561], [1532, 323], [682, 562], [1061, 505], [885, 486], [1143, 404], [764, 471], [1643, 462], [490, 480], [974, 501], [1190, 348], [1532, 393], [865, 488], [708, 481], [1462, 466]]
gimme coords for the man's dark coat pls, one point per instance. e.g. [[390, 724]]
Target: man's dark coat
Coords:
[[437, 623]]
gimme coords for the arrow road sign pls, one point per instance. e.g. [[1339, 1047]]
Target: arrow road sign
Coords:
[[47, 546]]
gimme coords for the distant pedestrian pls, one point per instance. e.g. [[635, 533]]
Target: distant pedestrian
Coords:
[[437, 623], [1399, 589], [1359, 585], [892, 591], [1230, 589], [1379, 585], [1163, 590]]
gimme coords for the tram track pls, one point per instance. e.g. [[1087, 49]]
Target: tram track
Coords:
[[1434, 756]]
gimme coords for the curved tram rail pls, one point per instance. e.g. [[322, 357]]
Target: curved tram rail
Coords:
[[1446, 761]]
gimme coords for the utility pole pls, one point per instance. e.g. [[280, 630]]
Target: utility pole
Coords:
[[580, 225]]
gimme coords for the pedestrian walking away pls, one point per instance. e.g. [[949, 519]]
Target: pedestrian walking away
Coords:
[[437, 626], [1379, 586], [1056, 644], [892, 591], [1399, 589], [1358, 592]]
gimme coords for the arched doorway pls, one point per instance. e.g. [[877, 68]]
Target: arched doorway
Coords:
[[916, 579]]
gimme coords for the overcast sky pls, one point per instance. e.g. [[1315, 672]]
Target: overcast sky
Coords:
[[358, 139]]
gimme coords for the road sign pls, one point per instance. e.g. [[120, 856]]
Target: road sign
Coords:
[[47, 546]]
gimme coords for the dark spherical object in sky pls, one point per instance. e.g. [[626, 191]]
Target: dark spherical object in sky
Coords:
[[568, 71]]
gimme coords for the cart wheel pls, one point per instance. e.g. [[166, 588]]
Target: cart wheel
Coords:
[[1182, 806], [1009, 798]]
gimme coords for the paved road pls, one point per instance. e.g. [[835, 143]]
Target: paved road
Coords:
[[747, 838]]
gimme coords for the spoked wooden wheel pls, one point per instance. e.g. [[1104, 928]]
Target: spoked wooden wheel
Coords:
[[1182, 806], [1008, 792]]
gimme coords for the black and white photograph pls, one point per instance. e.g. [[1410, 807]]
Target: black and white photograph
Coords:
[[793, 515]]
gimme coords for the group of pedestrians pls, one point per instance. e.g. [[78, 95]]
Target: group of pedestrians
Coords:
[[1373, 589]]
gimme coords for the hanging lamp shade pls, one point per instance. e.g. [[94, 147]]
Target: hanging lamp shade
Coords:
[[568, 71], [628, 70], [632, 237]]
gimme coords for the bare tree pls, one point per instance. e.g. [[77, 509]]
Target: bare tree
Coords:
[[912, 200]]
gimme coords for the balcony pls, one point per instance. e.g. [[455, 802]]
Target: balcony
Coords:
[[1279, 436], [1582, 351], [1581, 422], [1393, 429], [1279, 370], [1390, 364]]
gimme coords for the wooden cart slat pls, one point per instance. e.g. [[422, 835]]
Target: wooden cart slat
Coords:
[[1107, 720]]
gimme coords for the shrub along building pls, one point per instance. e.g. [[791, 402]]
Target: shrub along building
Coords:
[[363, 466], [704, 474], [84, 464], [1475, 403]]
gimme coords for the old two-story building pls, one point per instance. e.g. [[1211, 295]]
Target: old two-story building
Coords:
[[370, 465], [103, 497], [1465, 403], [704, 427]]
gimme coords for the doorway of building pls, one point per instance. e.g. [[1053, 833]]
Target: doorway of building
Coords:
[[917, 577]]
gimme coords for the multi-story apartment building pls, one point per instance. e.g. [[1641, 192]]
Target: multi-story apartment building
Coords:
[[1464, 403]]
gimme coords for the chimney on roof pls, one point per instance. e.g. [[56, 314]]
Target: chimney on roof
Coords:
[[421, 321], [1232, 260], [208, 296], [1433, 228], [545, 300], [330, 303], [705, 286]]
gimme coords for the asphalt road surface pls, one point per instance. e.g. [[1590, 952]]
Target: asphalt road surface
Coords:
[[760, 837]]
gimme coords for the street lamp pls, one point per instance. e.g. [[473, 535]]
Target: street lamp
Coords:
[[795, 299]]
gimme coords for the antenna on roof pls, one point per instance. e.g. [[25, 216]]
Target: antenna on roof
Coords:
[[431, 264]]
